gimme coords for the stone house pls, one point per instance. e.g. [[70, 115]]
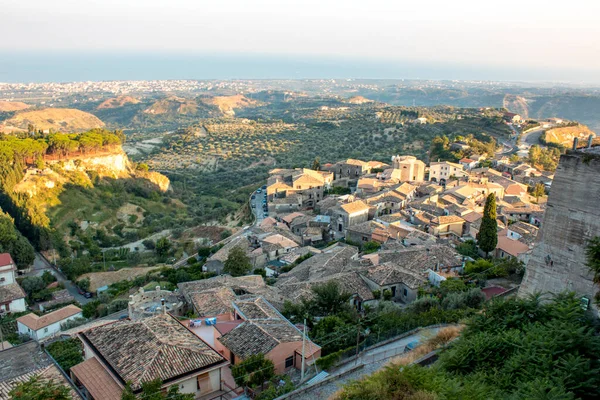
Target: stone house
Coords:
[[447, 225], [348, 214], [441, 172]]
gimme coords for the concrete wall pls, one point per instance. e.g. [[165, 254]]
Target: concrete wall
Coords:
[[571, 220]]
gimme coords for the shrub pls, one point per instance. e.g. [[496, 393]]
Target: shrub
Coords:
[[387, 294]]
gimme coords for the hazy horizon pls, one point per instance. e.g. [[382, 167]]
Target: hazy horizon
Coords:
[[68, 40], [63, 66]]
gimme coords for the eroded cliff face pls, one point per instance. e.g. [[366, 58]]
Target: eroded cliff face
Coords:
[[79, 171]]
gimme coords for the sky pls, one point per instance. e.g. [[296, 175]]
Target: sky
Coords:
[[524, 39]]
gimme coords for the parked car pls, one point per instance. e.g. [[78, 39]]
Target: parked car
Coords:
[[253, 197], [80, 290], [259, 191], [87, 295], [264, 187]]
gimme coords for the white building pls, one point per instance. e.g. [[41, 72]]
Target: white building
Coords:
[[47, 325], [441, 171], [12, 296]]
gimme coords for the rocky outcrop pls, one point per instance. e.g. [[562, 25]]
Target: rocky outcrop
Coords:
[[77, 170]]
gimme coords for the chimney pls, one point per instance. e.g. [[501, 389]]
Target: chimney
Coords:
[[130, 306], [590, 141], [575, 143], [163, 306]]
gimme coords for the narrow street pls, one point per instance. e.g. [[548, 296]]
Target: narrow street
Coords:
[[40, 265]]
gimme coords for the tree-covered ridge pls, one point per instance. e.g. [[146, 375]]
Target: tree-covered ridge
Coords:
[[514, 349]]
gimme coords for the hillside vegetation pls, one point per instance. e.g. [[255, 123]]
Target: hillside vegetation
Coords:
[[514, 349], [56, 119]]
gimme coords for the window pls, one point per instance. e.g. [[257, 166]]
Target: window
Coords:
[[2, 279], [289, 362], [365, 239], [45, 330], [405, 292]]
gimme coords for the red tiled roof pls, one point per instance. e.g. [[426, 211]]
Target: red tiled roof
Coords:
[[97, 380], [6, 259]]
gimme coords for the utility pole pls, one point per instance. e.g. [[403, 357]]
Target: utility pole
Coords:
[[357, 337], [303, 344]]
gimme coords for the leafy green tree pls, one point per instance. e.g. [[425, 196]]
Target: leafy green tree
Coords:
[[452, 285], [151, 390], [592, 255], [487, 237], [316, 165], [253, 371], [32, 284], [84, 284], [538, 191], [371, 247], [330, 298], [67, 353], [37, 389], [163, 248], [237, 262], [468, 248], [48, 278]]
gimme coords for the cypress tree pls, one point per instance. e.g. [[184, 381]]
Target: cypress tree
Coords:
[[487, 238]]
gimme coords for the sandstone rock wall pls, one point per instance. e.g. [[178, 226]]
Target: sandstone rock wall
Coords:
[[572, 218]]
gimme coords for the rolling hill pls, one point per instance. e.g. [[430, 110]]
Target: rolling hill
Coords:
[[564, 135], [8, 106], [117, 102], [58, 119], [227, 104]]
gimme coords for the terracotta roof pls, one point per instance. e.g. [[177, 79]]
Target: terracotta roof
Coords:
[[390, 273], [34, 322], [213, 302], [467, 160], [225, 326], [151, 348], [223, 252], [97, 380], [328, 262], [511, 246], [278, 187], [256, 308], [418, 259], [11, 292], [472, 217], [448, 219], [290, 217], [307, 179], [355, 207], [352, 161], [280, 240], [6, 259], [263, 330]]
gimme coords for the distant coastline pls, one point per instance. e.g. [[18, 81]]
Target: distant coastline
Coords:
[[71, 66]]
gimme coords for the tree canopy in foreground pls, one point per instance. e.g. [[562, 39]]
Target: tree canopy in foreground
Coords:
[[514, 349]]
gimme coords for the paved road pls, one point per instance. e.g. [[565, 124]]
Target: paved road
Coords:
[[372, 360], [530, 138], [40, 265], [256, 205]]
